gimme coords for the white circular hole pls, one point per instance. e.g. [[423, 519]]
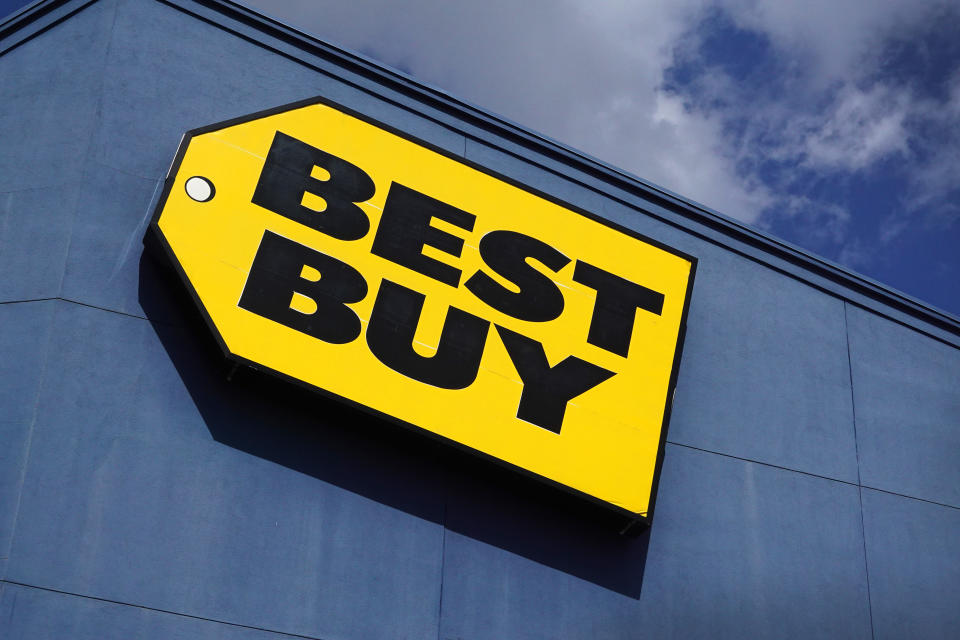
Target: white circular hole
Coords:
[[200, 189]]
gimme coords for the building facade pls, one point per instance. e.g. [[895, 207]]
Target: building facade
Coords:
[[810, 484]]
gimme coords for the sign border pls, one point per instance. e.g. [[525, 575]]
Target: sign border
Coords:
[[153, 229]]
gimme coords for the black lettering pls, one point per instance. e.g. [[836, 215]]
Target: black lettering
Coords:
[[393, 324], [286, 178], [546, 389], [615, 308], [277, 275], [405, 229], [506, 252]]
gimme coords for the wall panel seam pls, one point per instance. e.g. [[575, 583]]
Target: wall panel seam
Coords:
[[761, 462], [163, 611], [856, 447], [28, 446], [28, 300], [443, 557], [93, 135], [812, 475]]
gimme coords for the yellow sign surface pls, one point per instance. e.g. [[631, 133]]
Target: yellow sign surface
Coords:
[[331, 249]]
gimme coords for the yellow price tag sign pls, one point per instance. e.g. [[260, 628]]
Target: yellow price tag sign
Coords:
[[337, 251]]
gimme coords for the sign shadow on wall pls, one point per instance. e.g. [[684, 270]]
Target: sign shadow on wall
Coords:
[[350, 449]]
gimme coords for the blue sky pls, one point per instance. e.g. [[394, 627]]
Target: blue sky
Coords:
[[832, 125]]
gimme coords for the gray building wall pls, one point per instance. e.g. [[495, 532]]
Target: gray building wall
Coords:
[[811, 481]]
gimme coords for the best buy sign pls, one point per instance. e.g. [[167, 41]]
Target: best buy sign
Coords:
[[331, 249]]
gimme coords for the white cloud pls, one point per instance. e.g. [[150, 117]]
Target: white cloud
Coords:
[[934, 184], [695, 164], [839, 111], [832, 40], [587, 74], [861, 128], [826, 221]]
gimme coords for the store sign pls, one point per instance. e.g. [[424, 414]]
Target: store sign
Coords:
[[330, 249]]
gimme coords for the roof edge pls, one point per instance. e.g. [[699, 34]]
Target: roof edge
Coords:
[[688, 210], [24, 15]]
